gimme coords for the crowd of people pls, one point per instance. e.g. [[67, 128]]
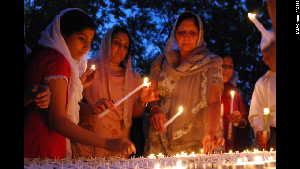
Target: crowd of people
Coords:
[[64, 98]]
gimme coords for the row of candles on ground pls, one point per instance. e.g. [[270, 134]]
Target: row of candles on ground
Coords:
[[201, 152], [266, 158]]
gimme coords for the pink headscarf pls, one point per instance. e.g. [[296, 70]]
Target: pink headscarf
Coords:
[[102, 88]]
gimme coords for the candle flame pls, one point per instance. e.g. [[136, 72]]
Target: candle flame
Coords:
[[251, 16], [266, 111], [180, 109], [151, 156], [230, 151], [93, 67], [160, 155], [232, 93], [146, 82]]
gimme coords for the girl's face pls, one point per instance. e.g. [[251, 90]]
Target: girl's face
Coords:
[[227, 69], [187, 35], [119, 47], [79, 43]]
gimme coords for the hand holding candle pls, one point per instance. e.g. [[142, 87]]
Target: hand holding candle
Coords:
[[179, 112], [146, 83], [88, 76]]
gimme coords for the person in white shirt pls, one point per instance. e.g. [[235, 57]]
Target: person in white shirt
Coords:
[[264, 96]]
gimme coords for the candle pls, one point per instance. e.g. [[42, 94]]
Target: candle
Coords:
[[266, 118], [266, 131], [151, 156], [252, 17], [179, 112], [93, 67], [232, 94], [146, 83], [221, 119], [267, 36], [201, 151], [160, 155]]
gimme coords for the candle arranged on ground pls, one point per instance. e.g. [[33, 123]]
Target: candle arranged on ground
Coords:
[[179, 112], [146, 83], [93, 67]]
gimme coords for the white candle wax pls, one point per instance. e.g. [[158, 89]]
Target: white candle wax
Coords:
[[259, 26], [266, 118], [180, 110], [145, 84], [232, 94]]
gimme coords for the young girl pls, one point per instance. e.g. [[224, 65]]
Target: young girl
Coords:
[[58, 62]]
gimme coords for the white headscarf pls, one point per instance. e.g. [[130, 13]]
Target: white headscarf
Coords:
[[51, 37]]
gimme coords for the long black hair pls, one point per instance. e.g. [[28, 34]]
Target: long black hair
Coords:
[[75, 21]]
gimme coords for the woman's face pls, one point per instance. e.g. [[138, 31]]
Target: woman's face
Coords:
[[119, 47], [187, 35], [79, 43], [227, 69]]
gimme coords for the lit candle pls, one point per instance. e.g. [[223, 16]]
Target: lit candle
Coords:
[[151, 156], [266, 118], [179, 112], [146, 83], [201, 151], [266, 35], [232, 94], [266, 131], [252, 17], [160, 155], [93, 67]]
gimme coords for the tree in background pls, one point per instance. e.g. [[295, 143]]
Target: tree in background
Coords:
[[227, 28]]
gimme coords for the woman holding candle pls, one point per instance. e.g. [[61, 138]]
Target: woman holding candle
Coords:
[[235, 111], [113, 80], [187, 74], [58, 62]]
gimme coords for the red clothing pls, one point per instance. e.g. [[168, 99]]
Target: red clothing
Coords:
[[238, 104], [39, 139]]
